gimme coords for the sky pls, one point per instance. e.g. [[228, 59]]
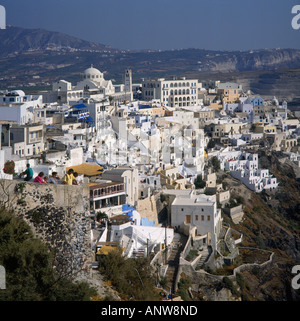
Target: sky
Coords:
[[164, 24]]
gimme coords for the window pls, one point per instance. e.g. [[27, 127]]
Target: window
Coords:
[[196, 217], [208, 217], [202, 217], [188, 219]]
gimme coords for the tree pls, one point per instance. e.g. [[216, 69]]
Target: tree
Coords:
[[101, 215], [132, 278], [211, 144], [215, 163], [199, 182]]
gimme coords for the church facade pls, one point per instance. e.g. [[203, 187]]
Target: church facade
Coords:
[[92, 85]]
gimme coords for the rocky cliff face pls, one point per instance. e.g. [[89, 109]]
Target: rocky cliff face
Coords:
[[272, 222], [253, 60]]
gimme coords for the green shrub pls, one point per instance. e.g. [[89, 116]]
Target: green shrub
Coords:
[[163, 281], [192, 254], [101, 215], [183, 285], [199, 183], [132, 278], [241, 281], [228, 284], [163, 197]]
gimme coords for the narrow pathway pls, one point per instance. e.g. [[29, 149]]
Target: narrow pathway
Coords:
[[179, 242]]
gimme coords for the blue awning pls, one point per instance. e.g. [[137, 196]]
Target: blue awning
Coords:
[[88, 119], [80, 106], [144, 106]]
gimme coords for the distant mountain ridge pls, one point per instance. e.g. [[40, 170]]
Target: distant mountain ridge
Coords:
[[19, 40], [36, 57]]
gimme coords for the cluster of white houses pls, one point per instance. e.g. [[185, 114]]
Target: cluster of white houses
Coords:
[[144, 146], [244, 167]]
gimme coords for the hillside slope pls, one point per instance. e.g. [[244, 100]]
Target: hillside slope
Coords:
[[19, 40], [272, 222], [28, 53]]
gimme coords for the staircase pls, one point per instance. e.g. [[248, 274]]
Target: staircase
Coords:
[[237, 218], [178, 245], [204, 256]]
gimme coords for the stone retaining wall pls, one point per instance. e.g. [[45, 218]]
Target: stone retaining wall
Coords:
[[204, 278], [57, 214]]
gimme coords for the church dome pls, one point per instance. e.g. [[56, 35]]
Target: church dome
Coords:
[[92, 73], [16, 93]]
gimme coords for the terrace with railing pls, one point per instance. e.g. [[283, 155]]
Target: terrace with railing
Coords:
[[106, 189]]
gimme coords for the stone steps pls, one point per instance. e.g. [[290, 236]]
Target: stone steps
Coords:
[[202, 260], [237, 218], [179, 242]]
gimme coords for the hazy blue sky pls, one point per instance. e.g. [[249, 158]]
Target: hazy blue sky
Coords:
[[164, 24]]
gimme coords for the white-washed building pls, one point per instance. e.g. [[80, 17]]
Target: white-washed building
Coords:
[[200, 211], [173, 93], [18, 107], [128, 176], [256, 180], [136, 239], [245, 169]]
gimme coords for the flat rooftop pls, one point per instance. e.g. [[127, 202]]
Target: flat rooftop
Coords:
[[194, 201]]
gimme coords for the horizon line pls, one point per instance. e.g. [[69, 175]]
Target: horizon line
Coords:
[[150, 49]]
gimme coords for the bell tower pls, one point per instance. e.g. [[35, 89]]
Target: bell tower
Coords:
[[128, 83]]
